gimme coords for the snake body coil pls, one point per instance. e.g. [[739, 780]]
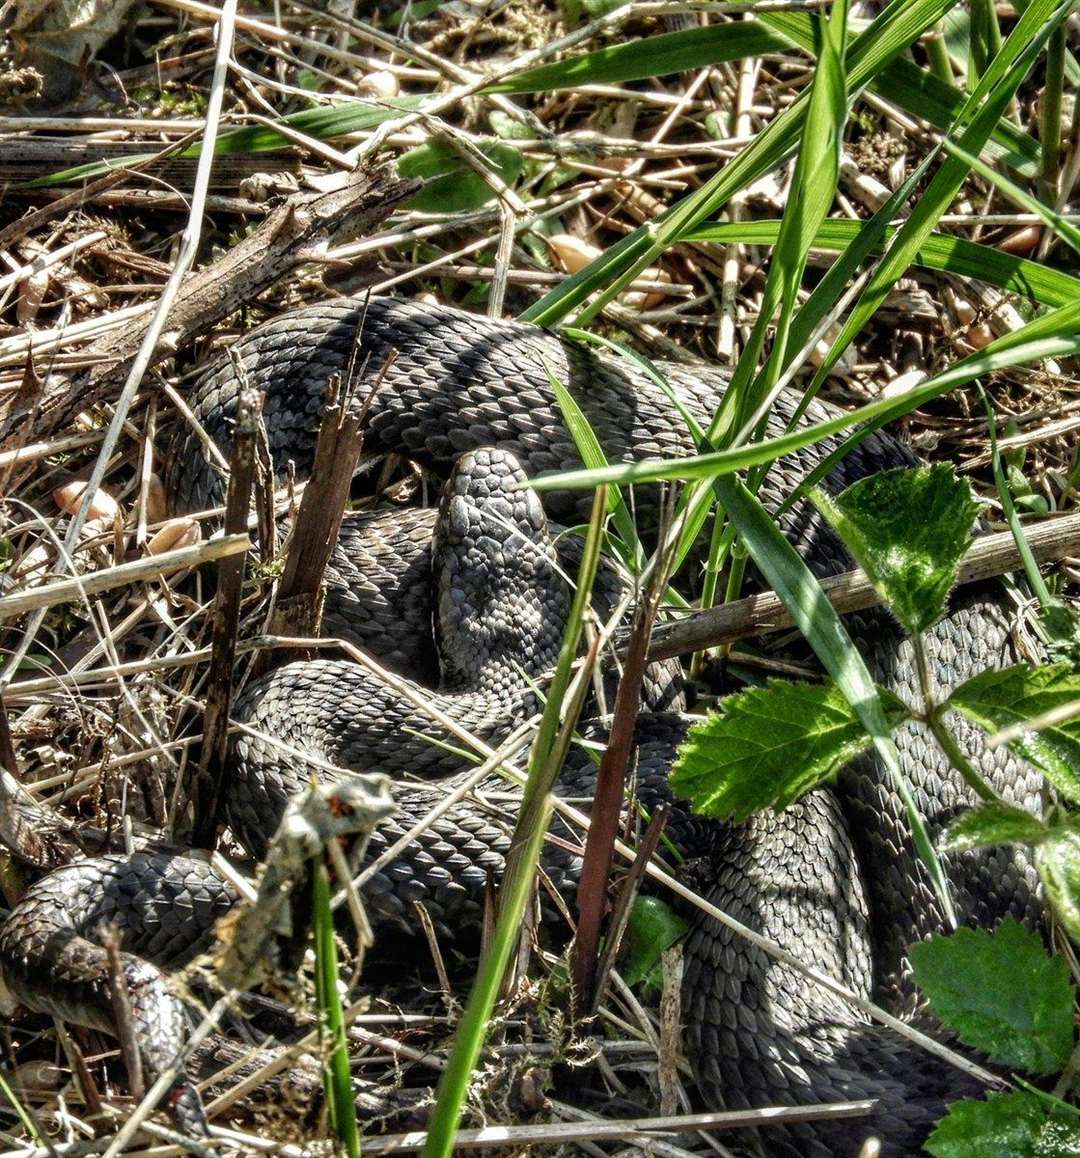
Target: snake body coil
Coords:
[[834, 879]]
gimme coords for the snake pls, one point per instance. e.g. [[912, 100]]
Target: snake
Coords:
[[464, 605]]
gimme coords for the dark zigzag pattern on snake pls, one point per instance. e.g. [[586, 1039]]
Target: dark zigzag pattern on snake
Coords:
[[834, 879]]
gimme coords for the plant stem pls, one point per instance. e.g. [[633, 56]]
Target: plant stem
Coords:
[[937, 53], [1031, 567], [1050, 121], [932, 714], [545, 761], [336, 1076]]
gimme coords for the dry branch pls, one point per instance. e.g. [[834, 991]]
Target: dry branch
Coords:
[[298, 610], [153, 566], [611, 780], [598, 1130], [988, 556], [297, 231], [226, 621]]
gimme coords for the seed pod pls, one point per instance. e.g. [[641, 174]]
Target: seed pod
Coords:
[[382, 84], [176, 533], [69, 498], [157, 509]]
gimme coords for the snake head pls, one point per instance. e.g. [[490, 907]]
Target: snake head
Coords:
[[500, 601]]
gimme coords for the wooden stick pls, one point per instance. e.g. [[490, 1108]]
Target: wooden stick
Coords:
[[152, 567], [206, 789], [298, 610], [989, 555], [604, 1129], [290, 235]]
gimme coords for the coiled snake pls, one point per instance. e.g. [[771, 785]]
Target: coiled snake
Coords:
[[834, 879]]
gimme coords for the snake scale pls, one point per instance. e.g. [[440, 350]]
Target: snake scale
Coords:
[[834, 879]]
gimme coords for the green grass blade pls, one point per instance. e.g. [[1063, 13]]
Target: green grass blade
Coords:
[[652, 56], [322, 123], [813, 189], [921, 93], [939, 251], [545, 760], [814, 615], [336, 1075], [890, 34], [592, 455], [1058, 224], [1003, 354], [976, 120]]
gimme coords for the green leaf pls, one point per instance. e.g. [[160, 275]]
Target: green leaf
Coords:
[[1032, 279], [902, 22], [813, 189], [788, 575], [450, 186], [1013, 695], [592, 455], [992, 823], [1058, 860], [974, 123], [1016, 1125], [651, 56], [1002, 993], [1036, 346], [768, 746], [653, 927], [908, 529], [918, 91]]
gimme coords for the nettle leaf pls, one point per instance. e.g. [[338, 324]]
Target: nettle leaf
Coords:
[[1016, 1125], [993, 823], [908, 530], [998, 699], [1002, 993], [1058, 860], [768, 746]]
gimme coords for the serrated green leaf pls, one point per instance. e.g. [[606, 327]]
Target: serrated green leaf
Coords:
[[1013, 695], [1002, 993], [908, 529], [450, 186], [768, 746], [992, 823], [1015, 1125], [1058, 860], [653, 927]]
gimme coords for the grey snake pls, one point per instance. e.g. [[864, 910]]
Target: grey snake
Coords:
[[834, 879]]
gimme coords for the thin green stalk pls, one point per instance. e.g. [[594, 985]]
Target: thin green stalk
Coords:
[[959, 760], [28, 1123], [545, 761], [1050, 118], [937, 53], [719, 545], [984, 39], [336, 1076], [788, 575], [1031, 567], [932, 714]]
